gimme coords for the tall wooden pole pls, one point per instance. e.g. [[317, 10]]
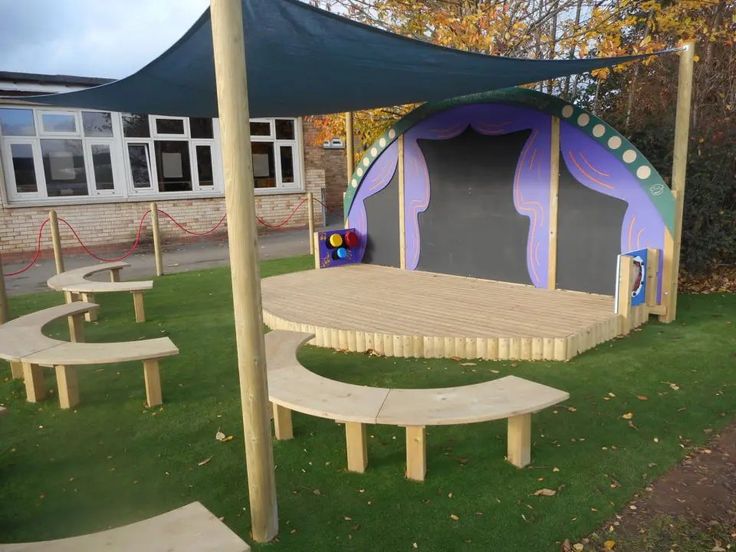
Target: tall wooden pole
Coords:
[[349, 160], [310, 221], [402, 215], [679, 169], [158, 257], [56, 242], [232, 100], [3, 296]]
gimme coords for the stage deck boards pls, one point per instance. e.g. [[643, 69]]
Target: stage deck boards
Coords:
[[407, 313]]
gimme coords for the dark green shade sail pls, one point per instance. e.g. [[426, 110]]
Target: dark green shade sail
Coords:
[[302, 60]]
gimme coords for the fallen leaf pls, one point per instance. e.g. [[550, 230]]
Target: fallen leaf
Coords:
[[220, 436], [609, 544], [628, 416], [205, 461], [453, 517], [642, 397], [555, 469], [674, 387], [578, 547], [572, 409], [545, 492], [468, 364]]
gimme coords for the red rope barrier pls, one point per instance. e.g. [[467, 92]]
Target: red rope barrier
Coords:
[[125, 255], [192, 232], [36, 254], [137, 241]]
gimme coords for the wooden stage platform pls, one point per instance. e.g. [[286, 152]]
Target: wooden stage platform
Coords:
[[406, 313]]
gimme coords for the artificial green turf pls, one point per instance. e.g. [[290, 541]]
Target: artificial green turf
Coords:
[[113, 461]]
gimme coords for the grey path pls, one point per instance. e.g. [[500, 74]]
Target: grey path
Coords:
[[178, 257]]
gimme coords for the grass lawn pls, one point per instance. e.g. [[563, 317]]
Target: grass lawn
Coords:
[[113, 461]]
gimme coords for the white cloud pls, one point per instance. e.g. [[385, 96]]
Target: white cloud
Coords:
[[98, 38]]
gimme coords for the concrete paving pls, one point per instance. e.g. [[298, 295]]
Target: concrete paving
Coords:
[[177, 257]]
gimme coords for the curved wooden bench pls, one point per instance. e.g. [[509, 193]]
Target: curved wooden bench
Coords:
[[28, 350], [189, 528], [78, 287], [291, 386]]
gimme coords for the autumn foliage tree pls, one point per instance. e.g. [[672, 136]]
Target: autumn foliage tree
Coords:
[[637, 98]]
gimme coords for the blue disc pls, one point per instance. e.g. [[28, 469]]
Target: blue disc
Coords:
[[342, 253]]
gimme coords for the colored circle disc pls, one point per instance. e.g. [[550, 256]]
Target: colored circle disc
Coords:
[[335, 240], [351, 239], [342, 253]]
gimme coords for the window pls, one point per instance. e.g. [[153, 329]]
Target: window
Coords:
[[135, 125], [17, 122], [139, 157], [172, 164], [61, 122], [205, 174], [102, 167], [63, 167], [275, 152], [97, 124], [24, 172], [65, 155], [201, 128], [174, 127]]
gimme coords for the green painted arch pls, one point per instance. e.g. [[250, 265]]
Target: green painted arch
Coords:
[[649, 179]]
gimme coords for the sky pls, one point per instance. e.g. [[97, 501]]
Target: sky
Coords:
[[91, 38]]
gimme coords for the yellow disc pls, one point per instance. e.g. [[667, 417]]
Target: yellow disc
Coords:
[[335, 240]]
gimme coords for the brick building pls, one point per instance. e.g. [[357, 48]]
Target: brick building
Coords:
[[100, 169]]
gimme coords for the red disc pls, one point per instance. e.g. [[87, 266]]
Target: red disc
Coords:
[[351, 239]]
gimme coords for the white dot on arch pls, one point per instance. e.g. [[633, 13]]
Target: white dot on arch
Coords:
[[374, 152], [629, 156], [354, 183], [567, 111], [614, 142], [599, 130], [359, 171], [583, 119], [392, 134], [643, 172], [382, 142]]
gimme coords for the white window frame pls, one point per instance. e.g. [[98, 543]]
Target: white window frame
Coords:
[[41, 132], [123, 189], [7, 159], [297, 145]]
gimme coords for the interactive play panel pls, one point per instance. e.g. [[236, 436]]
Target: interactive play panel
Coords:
[[407, 313]]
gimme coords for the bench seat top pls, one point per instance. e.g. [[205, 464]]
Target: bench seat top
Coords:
[[22, 336], [76, 281], [191, 527], [293, 386], [103, 353]]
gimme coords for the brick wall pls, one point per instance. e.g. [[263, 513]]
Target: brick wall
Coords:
[[113, 224], [333, 163]]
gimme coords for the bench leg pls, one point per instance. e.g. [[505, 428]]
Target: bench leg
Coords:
[[35, 386], [153, 382], [76, 328], [115, 275], [16, 369], [70, 297], [416, 453], [355, 437], [520, 440], [282, 425], [89, 316], [140, 313], [66, 382]]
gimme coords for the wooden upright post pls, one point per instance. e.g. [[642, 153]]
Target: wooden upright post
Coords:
[[310, 221], [156, 240], [673, 241], [402, 215], [623, 292], [554, 193], [232, 100], [349, 160], [56, 242], [3, 296]]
